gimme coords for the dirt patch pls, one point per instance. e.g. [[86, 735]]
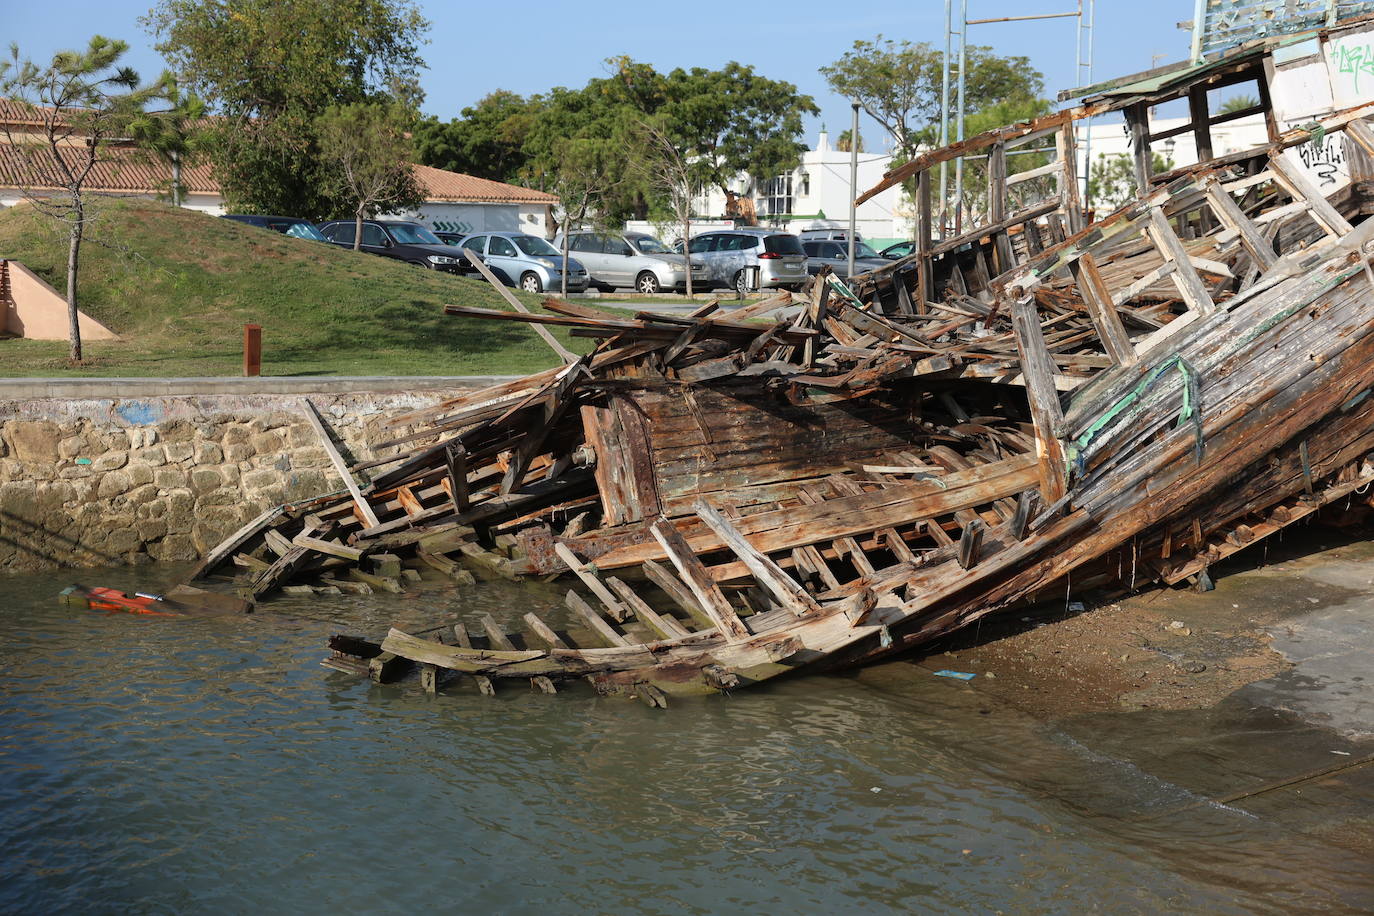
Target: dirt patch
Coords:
[[1133, 655]]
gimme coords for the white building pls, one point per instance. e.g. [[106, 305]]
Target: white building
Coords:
[[817, 193]]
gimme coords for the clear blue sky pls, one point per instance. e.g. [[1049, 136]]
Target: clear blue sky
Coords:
[[538, 44]]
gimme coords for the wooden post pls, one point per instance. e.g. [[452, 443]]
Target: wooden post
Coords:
[[1038, 370], [926, 283], [1070, 201], [1201, 118], [1138, 119], [252, 350], [997, 205]]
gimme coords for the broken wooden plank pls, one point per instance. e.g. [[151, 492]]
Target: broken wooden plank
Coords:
[[365, 510], [704, 589]]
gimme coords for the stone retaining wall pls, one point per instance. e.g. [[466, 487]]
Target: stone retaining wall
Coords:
[[110, 481]]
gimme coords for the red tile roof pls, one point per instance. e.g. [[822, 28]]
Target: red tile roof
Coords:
[[123, 170], [440, 185], [118, 170]]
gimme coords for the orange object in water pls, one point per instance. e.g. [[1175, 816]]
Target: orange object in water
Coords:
[[110, 599]]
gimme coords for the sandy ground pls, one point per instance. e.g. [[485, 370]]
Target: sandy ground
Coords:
[[1295, 615]]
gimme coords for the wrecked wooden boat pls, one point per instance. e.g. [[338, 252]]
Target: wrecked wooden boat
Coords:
[[1037, 400]]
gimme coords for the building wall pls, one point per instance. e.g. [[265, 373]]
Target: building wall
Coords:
[[483, 217], [103, 481], [820, 195]]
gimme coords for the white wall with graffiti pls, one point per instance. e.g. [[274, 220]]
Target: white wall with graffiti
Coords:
[[1314, 78]]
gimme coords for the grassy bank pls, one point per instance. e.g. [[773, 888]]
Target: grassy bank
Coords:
[[178, 286]]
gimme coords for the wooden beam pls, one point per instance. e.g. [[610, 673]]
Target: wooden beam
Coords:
[[1098, 299], [1185, 276], [456, 459], [771, 577], [590, 579], [563, 353], [681, 595], [707, 593], [340, 465], [1046, 413], [1069, 199], [1298, 185], [1138, 122], [599, 626]]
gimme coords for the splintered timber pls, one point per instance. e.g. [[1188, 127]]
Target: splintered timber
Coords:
[[824, 477]]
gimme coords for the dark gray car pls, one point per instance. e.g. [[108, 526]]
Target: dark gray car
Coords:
[[404, 241], [835, 255]]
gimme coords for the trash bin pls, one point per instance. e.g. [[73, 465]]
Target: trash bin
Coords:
[[752, 277]]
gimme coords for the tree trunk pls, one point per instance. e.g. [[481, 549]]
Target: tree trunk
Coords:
[[358, 229], [176, 179], [686, 252], [73, 259]]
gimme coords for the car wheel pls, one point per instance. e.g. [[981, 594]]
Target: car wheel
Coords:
[[741, 285], [530, 283], [647, 283], [417, 264]]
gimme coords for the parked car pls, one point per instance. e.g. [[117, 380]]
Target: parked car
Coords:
[[451, 238], [729, 253], [634, 259], [898, 251], [828, 235], [526, 261], [402, 240], [293, 226], [835, 255]]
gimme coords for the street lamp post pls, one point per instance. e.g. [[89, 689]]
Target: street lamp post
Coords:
[[853, 183]]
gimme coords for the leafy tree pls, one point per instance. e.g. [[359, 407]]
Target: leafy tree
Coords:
[[733, 120], [487, 140], [596, 117], [585, 171], [269, 68], [1238, 103], [369, 146], [669, 172], [899, 84], [82, 101], [1111, 179], [172, 136], [844, 144]]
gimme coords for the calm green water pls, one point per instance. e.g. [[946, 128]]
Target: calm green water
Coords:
[[155, 765]]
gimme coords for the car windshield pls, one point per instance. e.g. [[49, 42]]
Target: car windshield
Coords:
[[412, 235], [650, 245], [534, 247], [861, 250], [305, 231]]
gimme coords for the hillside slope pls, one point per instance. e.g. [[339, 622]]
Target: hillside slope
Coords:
[[178, 286]]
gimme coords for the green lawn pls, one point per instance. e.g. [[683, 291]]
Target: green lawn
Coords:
[[178, 286]]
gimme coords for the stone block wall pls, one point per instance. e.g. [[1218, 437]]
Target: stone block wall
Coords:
[[94, 482]]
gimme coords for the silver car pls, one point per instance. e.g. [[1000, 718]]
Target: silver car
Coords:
[[634, 259], [729, 253], [526, 261]]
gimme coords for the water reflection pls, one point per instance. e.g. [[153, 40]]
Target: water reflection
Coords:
[[172, 765]]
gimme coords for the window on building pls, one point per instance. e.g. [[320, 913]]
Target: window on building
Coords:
[[777, 196]]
